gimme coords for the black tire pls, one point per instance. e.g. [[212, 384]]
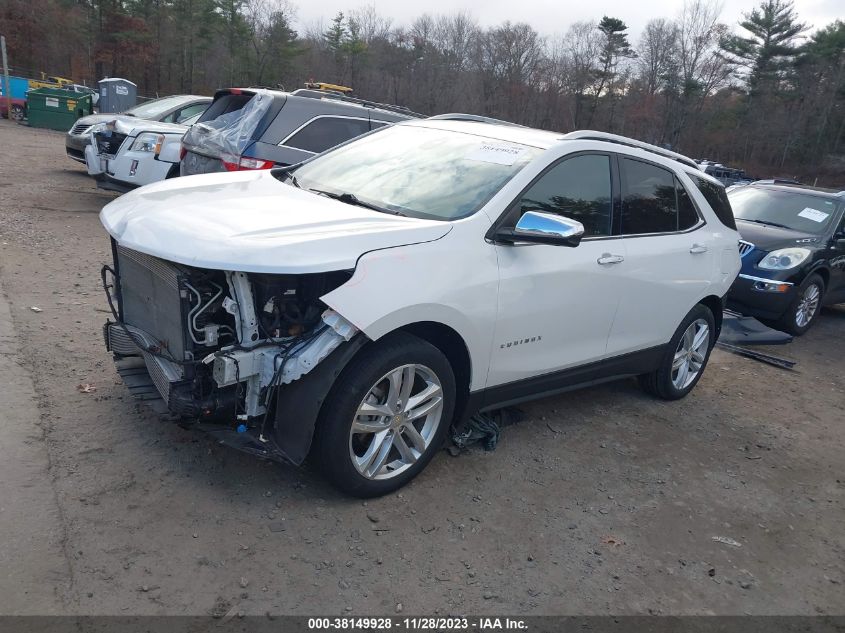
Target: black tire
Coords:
[[659, 382], [788, 321], [18, 113], [333, 442]]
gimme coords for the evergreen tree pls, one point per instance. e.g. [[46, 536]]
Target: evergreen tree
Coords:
[[770, 48], [615, 46]]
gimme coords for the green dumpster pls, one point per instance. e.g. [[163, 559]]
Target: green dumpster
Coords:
[[56, 109]]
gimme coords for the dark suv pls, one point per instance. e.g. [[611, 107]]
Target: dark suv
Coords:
[[793, 253], [260, 129]]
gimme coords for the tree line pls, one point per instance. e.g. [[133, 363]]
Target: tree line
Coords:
[[767, 94]]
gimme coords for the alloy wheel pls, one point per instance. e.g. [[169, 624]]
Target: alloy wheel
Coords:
[[690, 354], [807, 306], [396, 422]]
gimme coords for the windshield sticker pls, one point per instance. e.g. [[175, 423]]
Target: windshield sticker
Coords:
[[814, 214], [498, 154]]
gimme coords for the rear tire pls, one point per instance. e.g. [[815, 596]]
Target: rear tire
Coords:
[[18, 113], [685, 358], [804, 308], [406, 387]]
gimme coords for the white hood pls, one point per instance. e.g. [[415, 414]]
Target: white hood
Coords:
[[133, 127], [251, 222]]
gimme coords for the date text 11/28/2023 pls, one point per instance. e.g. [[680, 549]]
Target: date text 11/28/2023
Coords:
[[417, 624]]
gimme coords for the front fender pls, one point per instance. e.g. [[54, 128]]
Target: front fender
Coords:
[[452, 281], [170, 149]]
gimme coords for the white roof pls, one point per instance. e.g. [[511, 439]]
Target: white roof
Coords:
[[102, 81], [508, 133]]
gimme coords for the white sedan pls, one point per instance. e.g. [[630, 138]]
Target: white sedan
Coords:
[[124, 155]]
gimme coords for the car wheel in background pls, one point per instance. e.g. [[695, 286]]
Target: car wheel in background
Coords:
[[18, 113], [803, 310], [386, 416], [685, 358]]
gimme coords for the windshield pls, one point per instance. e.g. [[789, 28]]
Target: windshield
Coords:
[[803, 212], [153, 109], [419, 172]]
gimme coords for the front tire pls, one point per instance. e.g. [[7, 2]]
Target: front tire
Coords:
[[18, 113], [804, 309], [386, 416], [685, 358]]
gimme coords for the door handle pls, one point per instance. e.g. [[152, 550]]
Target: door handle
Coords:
[[698, 248], [608, 258]]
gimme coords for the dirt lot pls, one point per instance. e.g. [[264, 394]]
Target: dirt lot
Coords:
[[601, 501]]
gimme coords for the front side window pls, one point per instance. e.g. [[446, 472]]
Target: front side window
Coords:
[[577, 188], [419, 171], [649, 198], [325, 132]]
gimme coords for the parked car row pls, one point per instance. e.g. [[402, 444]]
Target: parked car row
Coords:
[[364, 280], [238, 129]]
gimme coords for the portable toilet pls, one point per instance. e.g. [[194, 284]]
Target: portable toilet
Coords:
[[117, 95]]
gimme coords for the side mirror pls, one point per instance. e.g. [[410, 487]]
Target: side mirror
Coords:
[[543, 228]]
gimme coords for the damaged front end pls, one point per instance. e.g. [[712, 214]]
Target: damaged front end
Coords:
[[222, 348]]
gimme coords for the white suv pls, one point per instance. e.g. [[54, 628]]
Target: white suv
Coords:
[[375, 295]]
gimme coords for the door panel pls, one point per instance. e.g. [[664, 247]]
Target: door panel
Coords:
[[669, 266], [836, 285], [557, 303], [556, 307], [661, 282]]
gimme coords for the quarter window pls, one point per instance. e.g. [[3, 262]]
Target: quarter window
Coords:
[[325, 132], [577, 188], [717, 199]]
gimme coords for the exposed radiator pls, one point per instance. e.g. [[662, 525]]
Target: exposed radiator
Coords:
[[150, 299]]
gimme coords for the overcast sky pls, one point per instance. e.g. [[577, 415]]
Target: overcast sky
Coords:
[[550, 18]]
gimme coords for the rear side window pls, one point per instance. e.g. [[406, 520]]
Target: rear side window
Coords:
[[687, 215], [576, 188], [325, 132], [717, 199], [649, 198], [190, 112]]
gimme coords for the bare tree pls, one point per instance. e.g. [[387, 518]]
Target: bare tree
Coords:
[[576, 63], [657, 53]]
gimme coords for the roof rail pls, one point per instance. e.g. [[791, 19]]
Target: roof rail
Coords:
[[592, 135], [457, 116], [778, 181], [310, 93]]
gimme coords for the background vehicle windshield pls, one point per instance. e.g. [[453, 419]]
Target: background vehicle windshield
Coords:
[[420, 172], [797, 211], [153, 109]]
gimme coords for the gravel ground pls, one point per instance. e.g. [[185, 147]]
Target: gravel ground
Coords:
[[600, 501]]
